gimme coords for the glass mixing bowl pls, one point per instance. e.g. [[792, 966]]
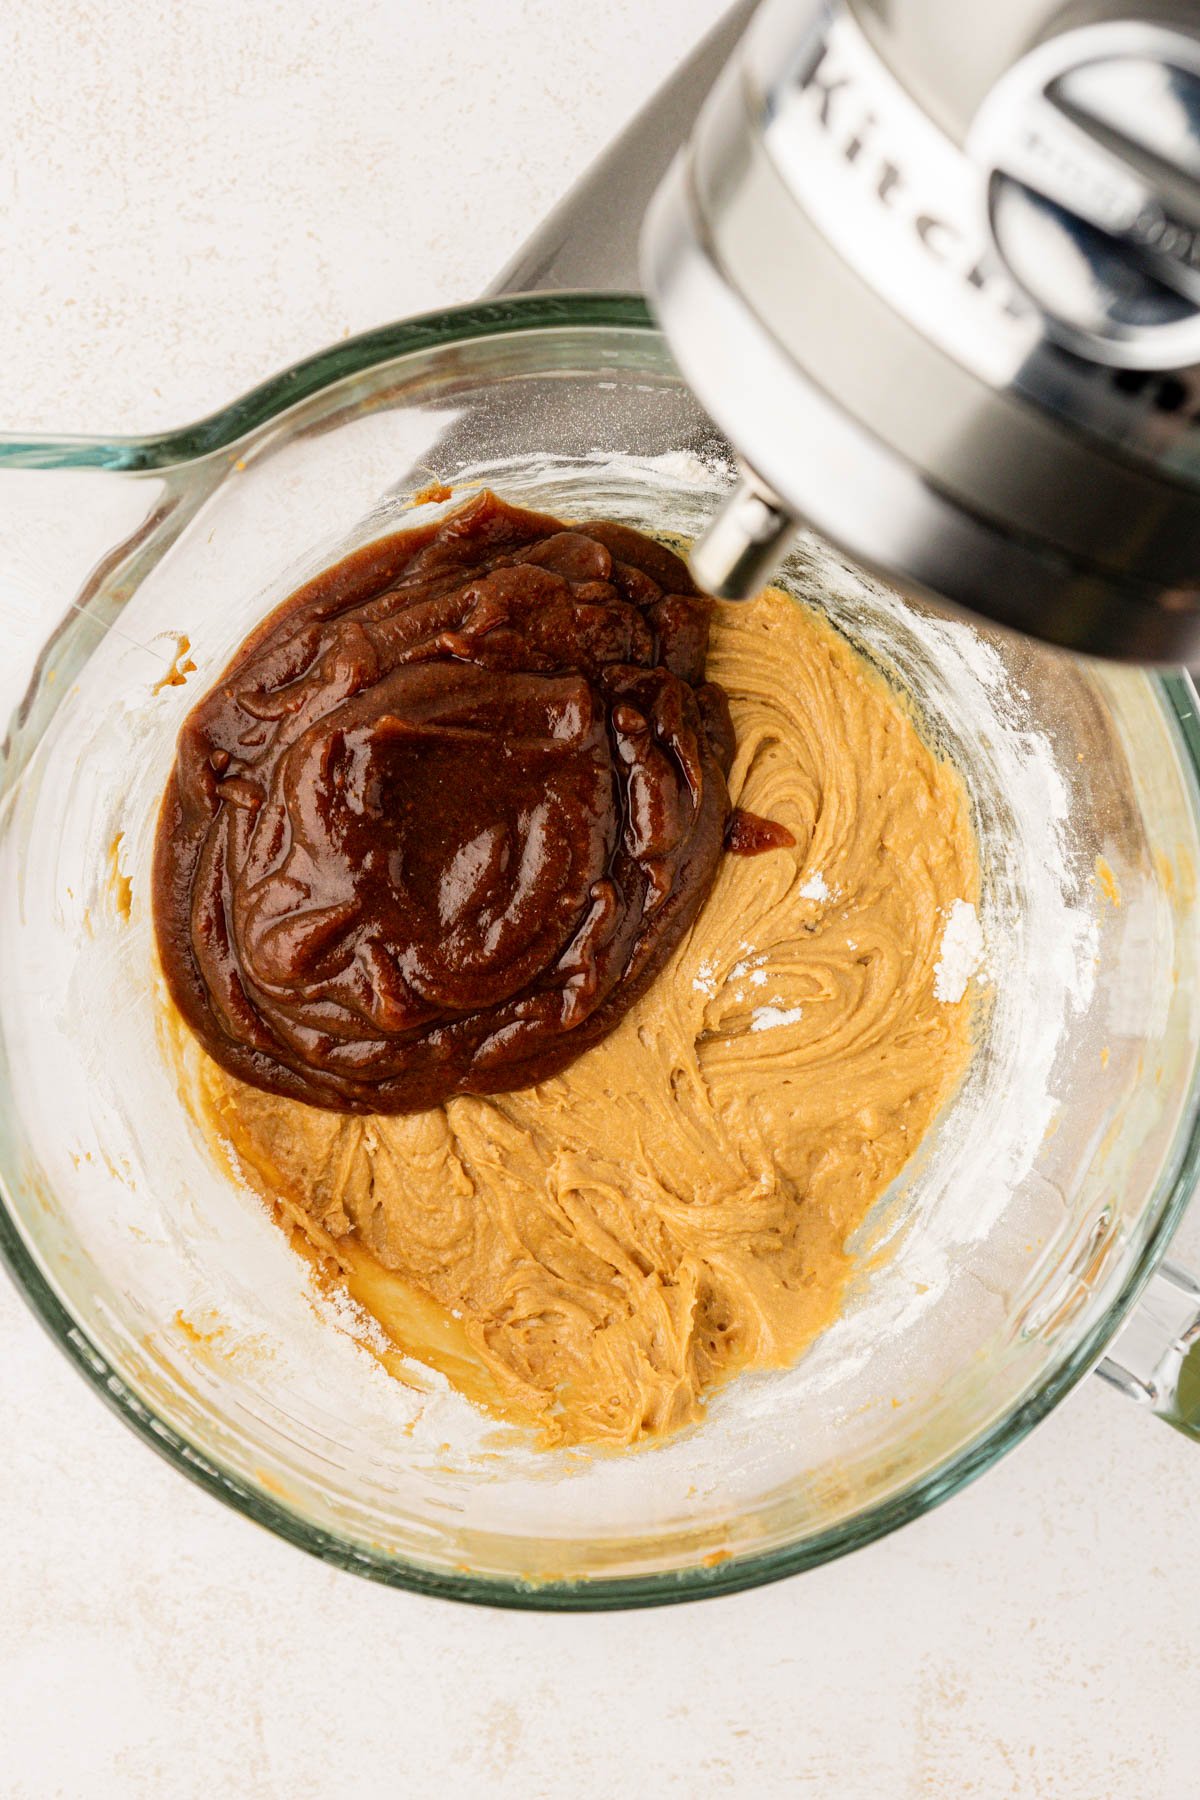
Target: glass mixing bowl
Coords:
[[992, 1276]]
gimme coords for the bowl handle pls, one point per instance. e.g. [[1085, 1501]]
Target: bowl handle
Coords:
[[1155, 1358]]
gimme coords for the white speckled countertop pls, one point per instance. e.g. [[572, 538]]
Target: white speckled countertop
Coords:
[[190, 197]]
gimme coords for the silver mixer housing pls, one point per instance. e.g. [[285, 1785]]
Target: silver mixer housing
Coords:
[[934, 269]]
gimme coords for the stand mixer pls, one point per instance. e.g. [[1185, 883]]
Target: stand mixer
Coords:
[[948, 353], [937, 278]]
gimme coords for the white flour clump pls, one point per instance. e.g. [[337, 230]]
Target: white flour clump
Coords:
[[705, 979], [962, 952], [767, 1018], [815, 888]]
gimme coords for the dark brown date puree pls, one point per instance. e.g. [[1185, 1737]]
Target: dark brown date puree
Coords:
[[447, 813]]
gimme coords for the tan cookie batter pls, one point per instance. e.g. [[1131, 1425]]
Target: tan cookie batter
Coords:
[[592, 1255]]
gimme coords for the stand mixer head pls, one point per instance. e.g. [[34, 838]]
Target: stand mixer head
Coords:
[[935, 272]]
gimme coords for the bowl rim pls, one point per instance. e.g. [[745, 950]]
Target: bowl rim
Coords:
[[301, 380], [218, 431]]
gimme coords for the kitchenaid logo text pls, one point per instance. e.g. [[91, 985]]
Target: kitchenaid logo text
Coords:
[[865, 142], [1119, 206]]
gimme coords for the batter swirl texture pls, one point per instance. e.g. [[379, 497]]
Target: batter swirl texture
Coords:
[[594, 1256]]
